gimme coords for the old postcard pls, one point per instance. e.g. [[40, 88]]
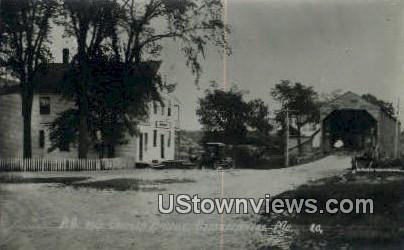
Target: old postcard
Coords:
[[201, 124]]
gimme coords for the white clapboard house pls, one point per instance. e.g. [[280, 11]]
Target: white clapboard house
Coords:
[[155, 142]]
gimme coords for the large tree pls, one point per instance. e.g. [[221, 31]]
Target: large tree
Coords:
[[131, 33], [224, 116], [192, 24], [123, 100], [301, 103], [259, 117], [228, 118], [261, 125], [92, 24], [24, 36], [119, 102]]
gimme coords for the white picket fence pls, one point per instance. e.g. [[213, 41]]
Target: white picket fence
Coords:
[[19, 164]]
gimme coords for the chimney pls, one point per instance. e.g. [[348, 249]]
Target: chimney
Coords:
[[65, 56]]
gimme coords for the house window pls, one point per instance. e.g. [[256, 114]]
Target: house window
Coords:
[[44, 105], [162, 109], [155, 138], [146, 141], [41, 139], [65, 147], [177, 109], [169, 139], [169, 110], [155, 108], [162, 150], [141, 147]]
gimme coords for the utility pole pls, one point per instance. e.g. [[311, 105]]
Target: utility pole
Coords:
[[287, 138], [287, 133], [397, 137]]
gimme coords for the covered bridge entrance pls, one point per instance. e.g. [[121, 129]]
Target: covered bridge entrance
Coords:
[[360, 125], [357, 129]]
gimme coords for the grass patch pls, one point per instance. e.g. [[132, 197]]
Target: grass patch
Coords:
[[382, 229], [114, 184], [152, 189], [119, 184], [166, 181], [17, 179], [128, 184]]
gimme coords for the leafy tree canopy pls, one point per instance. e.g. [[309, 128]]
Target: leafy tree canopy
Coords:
[[129, 33], [119, 100], [385, 106], [24, 38], [302, 103], [194, 25], [227, 117], [299, 99]]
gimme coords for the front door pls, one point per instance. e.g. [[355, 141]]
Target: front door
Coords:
[[140, 147], [162, 146]]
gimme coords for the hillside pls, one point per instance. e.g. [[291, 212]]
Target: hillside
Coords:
[[189, 143]]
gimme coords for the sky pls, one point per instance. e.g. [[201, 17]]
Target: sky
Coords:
[[353, 45]]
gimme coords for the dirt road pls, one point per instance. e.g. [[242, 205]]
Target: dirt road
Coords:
[[56, 216]]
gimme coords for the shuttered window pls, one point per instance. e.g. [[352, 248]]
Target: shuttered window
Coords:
[[41, 139], [155, 138]]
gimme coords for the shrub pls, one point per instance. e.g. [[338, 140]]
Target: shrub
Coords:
[[248, 156], [245, 157]]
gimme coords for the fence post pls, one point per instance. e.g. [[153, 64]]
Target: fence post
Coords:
[[41, 164]]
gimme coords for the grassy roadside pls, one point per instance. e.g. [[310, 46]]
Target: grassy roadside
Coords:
[[117, 184], [382, 229]]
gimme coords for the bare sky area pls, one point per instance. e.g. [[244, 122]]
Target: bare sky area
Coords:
[[328, 44]]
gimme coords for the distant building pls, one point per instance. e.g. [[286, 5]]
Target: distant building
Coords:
[[355, 122], [359, 125], [155, 142]]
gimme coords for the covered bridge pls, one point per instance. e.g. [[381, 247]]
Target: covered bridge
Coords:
[[359, 124]]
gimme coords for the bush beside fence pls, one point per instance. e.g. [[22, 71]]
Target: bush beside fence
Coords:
[[18, 164]]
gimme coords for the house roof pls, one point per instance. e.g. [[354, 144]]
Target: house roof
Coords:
[[48, 82], [8, 86], [360, 97]]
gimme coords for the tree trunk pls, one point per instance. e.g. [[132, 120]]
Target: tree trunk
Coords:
[[26, 106], [83, 139], [83, 103], [111, 141], [101, 151], [111, 151]]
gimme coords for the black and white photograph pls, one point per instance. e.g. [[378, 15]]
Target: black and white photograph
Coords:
[[201, 124]]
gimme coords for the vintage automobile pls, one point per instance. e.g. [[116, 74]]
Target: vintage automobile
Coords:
[[215, 156]]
